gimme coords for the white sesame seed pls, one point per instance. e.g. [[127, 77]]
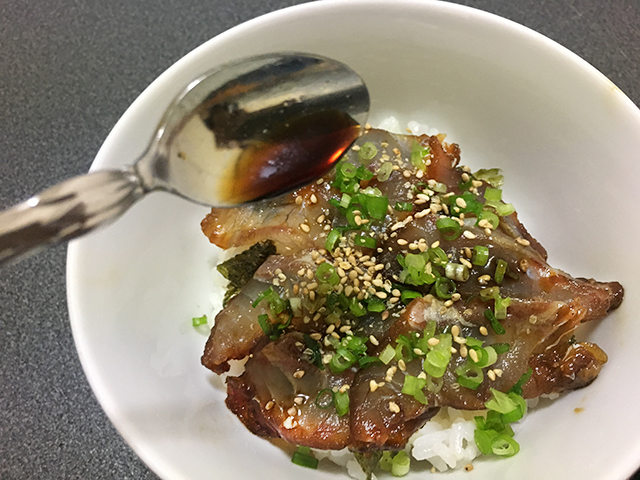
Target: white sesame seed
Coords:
[[298, 200], [433, 341], [314, 199], [483, 331], [298, 374], [491, 375], [289, 423], [393, 406], [468, 234], [473, 355], [269, 405], [523, 242]]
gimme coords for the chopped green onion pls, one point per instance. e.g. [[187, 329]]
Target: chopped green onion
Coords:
[[434, 385], [493, 194], [505, 446], [364, 173], [480, 255], [345, 200], [312, 353], [341, 401], [469, 376], [407, 295], [324, 399], [347, 170], [376, 305], [444, 287], [364, 241], [418, 152], [413, 386], [197, 321], [501, 269], [517, 387], [438, 187], [438, 256], [368, 361], [403, 206], [501, 307], [456, 271], [495, 324], [326, 273], [303, 458], [376, 206], [384, 172], [493, 176], [505, 209], [490, 293], [387, 354], [449, 228], [367, 152], [400, 464], [341, 360], [490, 217], [265, 325], [500, 348], [500, 402], [332, 239], [385, 461], [356, 307]]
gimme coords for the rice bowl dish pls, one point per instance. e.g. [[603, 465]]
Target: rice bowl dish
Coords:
[[131, 313]]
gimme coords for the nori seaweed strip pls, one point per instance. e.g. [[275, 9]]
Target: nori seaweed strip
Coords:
[[240, 269], [368, 462]]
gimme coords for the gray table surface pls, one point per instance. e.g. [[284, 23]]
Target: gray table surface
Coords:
[[68, 70]]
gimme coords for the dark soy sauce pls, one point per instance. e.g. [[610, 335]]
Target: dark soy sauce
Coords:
[[290, 156]]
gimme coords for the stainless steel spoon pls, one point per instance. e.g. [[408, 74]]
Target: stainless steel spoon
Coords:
[[249, 130]]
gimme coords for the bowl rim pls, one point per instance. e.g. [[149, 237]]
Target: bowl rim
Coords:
[[74, 261]]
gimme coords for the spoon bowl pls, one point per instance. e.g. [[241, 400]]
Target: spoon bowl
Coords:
[[250, 130]]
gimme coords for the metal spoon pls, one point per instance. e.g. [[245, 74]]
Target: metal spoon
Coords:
[[250, 130]]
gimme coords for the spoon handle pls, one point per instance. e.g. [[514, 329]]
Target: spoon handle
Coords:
[[67, 210]]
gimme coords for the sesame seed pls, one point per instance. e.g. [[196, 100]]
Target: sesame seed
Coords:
[[385, 315], [298, 374], [298, 200], [461, 203], [335, 335], [269, 405], [319, 181], [419, 174], [401, 365], [292, 411], [433, 341], [484, 331], [316, 336], [487, 232], [374, 340], [331, 328], [344, 388], [289, 423], [468, 467], [298, 400], [484, 279], [523, 242], [393, 406], [435, 244], [373, 386], [491, 375], [355, 148], [498, 372], [321, 218], [473, 355], [533, 319], [406, 173], [468, 234], [381, 295], [456, 296], [314, 199], [448, 303], [465, 262], [463, 351], [417, 351], [455, 331]]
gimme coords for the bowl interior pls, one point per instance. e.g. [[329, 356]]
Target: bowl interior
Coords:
[[564, 135]]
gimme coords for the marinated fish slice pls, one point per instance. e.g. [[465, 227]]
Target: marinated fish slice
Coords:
[[276, 396], [237, 332]]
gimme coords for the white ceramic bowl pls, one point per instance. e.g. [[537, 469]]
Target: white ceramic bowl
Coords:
[[565, 136]]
